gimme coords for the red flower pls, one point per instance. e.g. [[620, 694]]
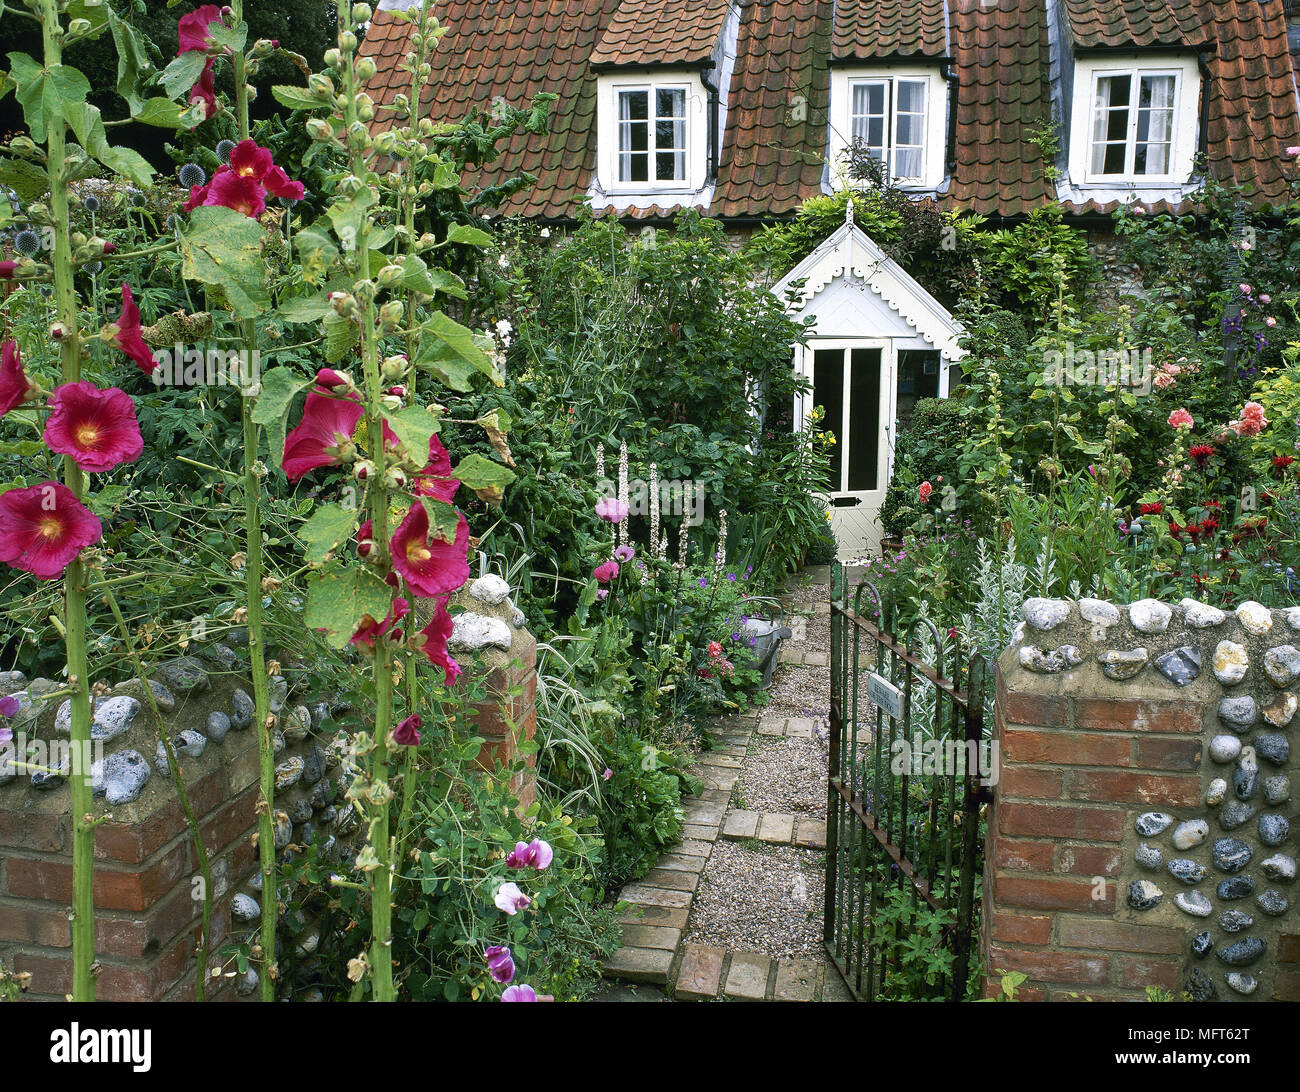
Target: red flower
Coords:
[[192, 29], [407, 733], [7, 270], [128, 336], [278, 184], [432, 641], [1201, 453], [327, 424], [924, 491], [15, 387], [248, 159], [327, 379], [369, 629], [365, 541], [96, 427], [238, 192], [205, 91], [43, 528], [430, 566], [1151, 509], [435, 479], [1175, 530], [197, 196]]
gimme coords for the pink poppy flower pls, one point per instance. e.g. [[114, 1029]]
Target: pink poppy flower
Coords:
[[519, 993], [407, 733], [435, 479], [238, 192], [611, 509], [192, 30], [248, 159], [1180, 418], [43, 528], [606, 572], [278, 184], [327, 424], [430, 566], [97, 428], [500, 963], [15, 387], [370, 630], [128, 336], [624, 553], [535, 854], [510, 900], [432, 641]]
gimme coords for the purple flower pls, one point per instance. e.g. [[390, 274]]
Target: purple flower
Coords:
[[625, 553], [519, 993], [611, 510], [535, 854], [703, 583], [607, 774], [8, 705], [731, 577], [510, 900], [501, 964]]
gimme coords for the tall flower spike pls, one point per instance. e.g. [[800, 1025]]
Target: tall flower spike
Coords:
[[688, 493], [654, 510], [622, 493], [721, 557]]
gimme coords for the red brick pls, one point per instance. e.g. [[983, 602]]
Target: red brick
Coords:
[[1139, 973], [30, 923], [1023, 856], [237, 819], [134, 842], [114, 889], [1138, 715], [32, 831], [1169, 754], [1021, 928], [1030, 782], [1106, 935], [993, 988], [1061, 821], [1288, 949], [1066, 748], [1047, 966], [51, 975], [146, 981], [1037, 710], [1053, 893], [1286, 987], [1088, 860], [1136, 787]]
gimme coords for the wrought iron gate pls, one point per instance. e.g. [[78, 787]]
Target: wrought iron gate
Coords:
[[904, 844]]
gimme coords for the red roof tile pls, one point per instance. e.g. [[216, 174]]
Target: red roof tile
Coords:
[[875, 29], [661, 32], [1112, 23]]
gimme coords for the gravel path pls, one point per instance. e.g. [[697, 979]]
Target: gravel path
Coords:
[[785, 775]]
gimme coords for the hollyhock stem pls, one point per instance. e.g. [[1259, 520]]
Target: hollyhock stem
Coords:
[[253, 603], [74, 578]]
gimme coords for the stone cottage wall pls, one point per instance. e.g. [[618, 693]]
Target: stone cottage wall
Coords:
[[1142, 831], [147, 889]]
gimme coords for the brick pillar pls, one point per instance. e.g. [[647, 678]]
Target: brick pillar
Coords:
[[1102, 717]]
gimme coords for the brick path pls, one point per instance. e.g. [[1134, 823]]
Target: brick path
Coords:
[[654, 962]]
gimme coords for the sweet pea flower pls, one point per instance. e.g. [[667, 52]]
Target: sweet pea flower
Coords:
[[318, 439], [510, 900], [432, 641], [518, 993], [611, 509], [430, 566], [1180, 418], [127, 335], [43, 528], [606, 572], [500, 963], [96, 427], [535, 854], [15, 387], [407, 734], [607, 774]]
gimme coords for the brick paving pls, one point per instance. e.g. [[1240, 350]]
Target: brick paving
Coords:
[[657, 960]]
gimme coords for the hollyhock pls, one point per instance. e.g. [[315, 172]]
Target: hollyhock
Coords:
[[1180, 418], [430, 566], [192, 30], [519, 993], [500, 963], [365, 538], [278, 184], [238, 192], [327, 379], [43, 528], [535, 854], [198, 194], [15, 387], [205, 91], [432, 641], [510, 900], [1163, 381], [435, 479], [96, 427], [611, 509], [923, 491], [606, 572], [407, 733], [248, 159], [128, 336], [326, 427], [370, 630], [7, 270]]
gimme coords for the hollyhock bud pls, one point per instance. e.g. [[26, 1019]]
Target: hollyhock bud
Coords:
[[58, 331], [362, 469], [366, 68]]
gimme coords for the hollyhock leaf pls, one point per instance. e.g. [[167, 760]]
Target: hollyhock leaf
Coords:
[[485, 477], [346, 217], [329, 525], [25, 178], [59, 91], [338, 601], [183, 73], [223, 248], [230, 38], [469, 236], [131, 56], [448, 284], [165, 114], [341, 335], [316, 251], [279, 385], [305, 309], [443, 519], [414, 427], [447, 342], [295, 98], [415, 276]]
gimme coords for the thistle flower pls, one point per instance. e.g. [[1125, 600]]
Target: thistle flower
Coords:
[[224, 148], [191, 175], [91, 203], [27, 243]]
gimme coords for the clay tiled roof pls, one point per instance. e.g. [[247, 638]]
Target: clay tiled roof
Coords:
[[661, 32], [875, 29], [1117, 23]]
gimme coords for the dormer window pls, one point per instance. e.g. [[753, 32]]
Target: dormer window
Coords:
[[1134, 124], [652, 134], [897, 116]]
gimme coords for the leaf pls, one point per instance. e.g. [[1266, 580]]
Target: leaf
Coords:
[[448, 284], [223, 247], [340, 335], [414, 427], [337, 602], [329, 525], [304, 309], [183, 73], [346, 216], [316, 251], [131, 57], [443, 518], [26, 179], [165, 114], [496, 424], [231, 38], [279, 385], [470, 236], [47, 93], [295, 98], [485, 477], [454, 345]]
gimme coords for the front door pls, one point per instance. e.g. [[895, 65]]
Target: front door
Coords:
[[854, 382]]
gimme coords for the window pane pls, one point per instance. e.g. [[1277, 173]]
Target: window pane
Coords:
[[633, 167], [671, 102], [634, 105], [907, 163], [828, 392], [868, 116], [864, 419], [918, 377], [1155, 125], [911, 97], [1110, 124], [670, 135], [670, 167]]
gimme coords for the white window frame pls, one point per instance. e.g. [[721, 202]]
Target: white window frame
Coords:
[[609, 91], [935, 134], [1184, 127]]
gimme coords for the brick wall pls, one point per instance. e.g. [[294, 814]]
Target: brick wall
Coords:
[[1082, 756]]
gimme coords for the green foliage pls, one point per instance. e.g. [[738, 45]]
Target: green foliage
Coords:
[[1038, 261], [929, 449]]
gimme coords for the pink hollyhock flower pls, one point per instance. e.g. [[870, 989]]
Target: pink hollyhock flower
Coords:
[[238, 192], [435, 479], [97, 428], [432, 641], [510, 900], [519, 993], [192, 30], [606, 572], [198, 194], [624, 553], [128, 336], [205, 91], [1270, 321], [1180, 418], [43, 528], [370, 630], [1245, 290], [430, 567], [248, 159], [278, 184], [611, 509], [15, 387], [7, 270], [327, 379], [407, 733], [1138, 210], [500, 963], [327, 424], [924, 490], [535, 854]]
